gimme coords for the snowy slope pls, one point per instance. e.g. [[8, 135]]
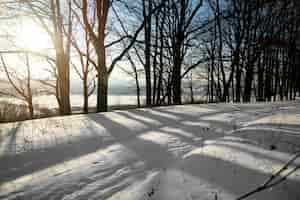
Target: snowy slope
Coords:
[[216, 151]]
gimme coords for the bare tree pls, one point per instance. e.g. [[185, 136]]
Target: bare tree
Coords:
[[49, 16], [84, 73], [185, 14], [101, 9], [83, 49], [21, 85]]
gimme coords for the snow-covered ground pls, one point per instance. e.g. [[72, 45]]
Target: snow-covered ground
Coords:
[[207, 152]]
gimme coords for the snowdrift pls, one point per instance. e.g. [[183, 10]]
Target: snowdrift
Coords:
[[216, 151]]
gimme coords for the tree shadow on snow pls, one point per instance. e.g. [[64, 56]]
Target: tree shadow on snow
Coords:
[[235, 179]]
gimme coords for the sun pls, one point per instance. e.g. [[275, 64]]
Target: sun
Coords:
[[32, 37]]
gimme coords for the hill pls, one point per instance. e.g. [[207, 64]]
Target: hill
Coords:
[[216, 151]]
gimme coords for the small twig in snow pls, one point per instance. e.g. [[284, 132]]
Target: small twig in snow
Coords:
[[274, 179]]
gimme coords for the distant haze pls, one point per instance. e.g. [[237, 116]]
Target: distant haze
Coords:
[[114, 88]]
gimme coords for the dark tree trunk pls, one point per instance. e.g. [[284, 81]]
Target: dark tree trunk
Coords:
[[102, 77], [147, 66], [238, 74], [85, 95], [176, 76]]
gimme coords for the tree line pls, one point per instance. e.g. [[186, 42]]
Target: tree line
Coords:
[[240, 51]]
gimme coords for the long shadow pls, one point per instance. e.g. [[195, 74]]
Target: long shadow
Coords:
[[197, 130], [200, 118], [11, 146], [248, 150], [186, 133], [242, 177], [29, 162], [282, 125], [237, 179], [17, 165], [214, 171], [130, 139], [154, 155], [181, 134], [14, 166], [282, 140], [272, 128], [198, 114]]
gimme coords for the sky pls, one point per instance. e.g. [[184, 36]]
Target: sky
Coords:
[[28, 34], [32, 37]]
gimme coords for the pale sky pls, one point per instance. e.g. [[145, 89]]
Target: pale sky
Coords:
[[27, 34]]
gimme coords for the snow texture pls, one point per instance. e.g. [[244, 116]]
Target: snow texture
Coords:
[[190, 152]]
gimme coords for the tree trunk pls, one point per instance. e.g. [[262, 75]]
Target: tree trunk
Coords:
[[248, 84], [276, 75], [102, 84], [138, 96], [85, 95], [30, 108], [147, 66], [238, 83], [260, 79], [212, 81], [176, 82], [176, 75], [63, 83], [191, 89]]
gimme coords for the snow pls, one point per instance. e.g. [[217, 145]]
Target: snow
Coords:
[[207, 152]]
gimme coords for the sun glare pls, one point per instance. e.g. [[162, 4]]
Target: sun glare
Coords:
[[32, 37]]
